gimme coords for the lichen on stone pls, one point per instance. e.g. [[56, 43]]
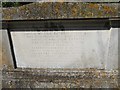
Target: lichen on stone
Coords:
[[47, 10]]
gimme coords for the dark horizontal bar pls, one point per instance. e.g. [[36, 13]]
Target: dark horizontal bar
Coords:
[[60, 24], [115, 23]]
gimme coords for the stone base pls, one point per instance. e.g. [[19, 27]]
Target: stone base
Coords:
[[59, 78]]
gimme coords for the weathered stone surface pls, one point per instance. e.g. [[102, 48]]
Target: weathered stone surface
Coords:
[[59, 78], [67, 49], [5, 52], [48, 10]]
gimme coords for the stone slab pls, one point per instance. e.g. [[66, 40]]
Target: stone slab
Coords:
[[66, 49], [48, 10], [59, 78]]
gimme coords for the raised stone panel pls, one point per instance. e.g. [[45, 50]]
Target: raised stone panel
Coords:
[[66, 49]]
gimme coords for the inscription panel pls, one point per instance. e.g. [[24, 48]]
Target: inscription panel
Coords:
[[62, 49]]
